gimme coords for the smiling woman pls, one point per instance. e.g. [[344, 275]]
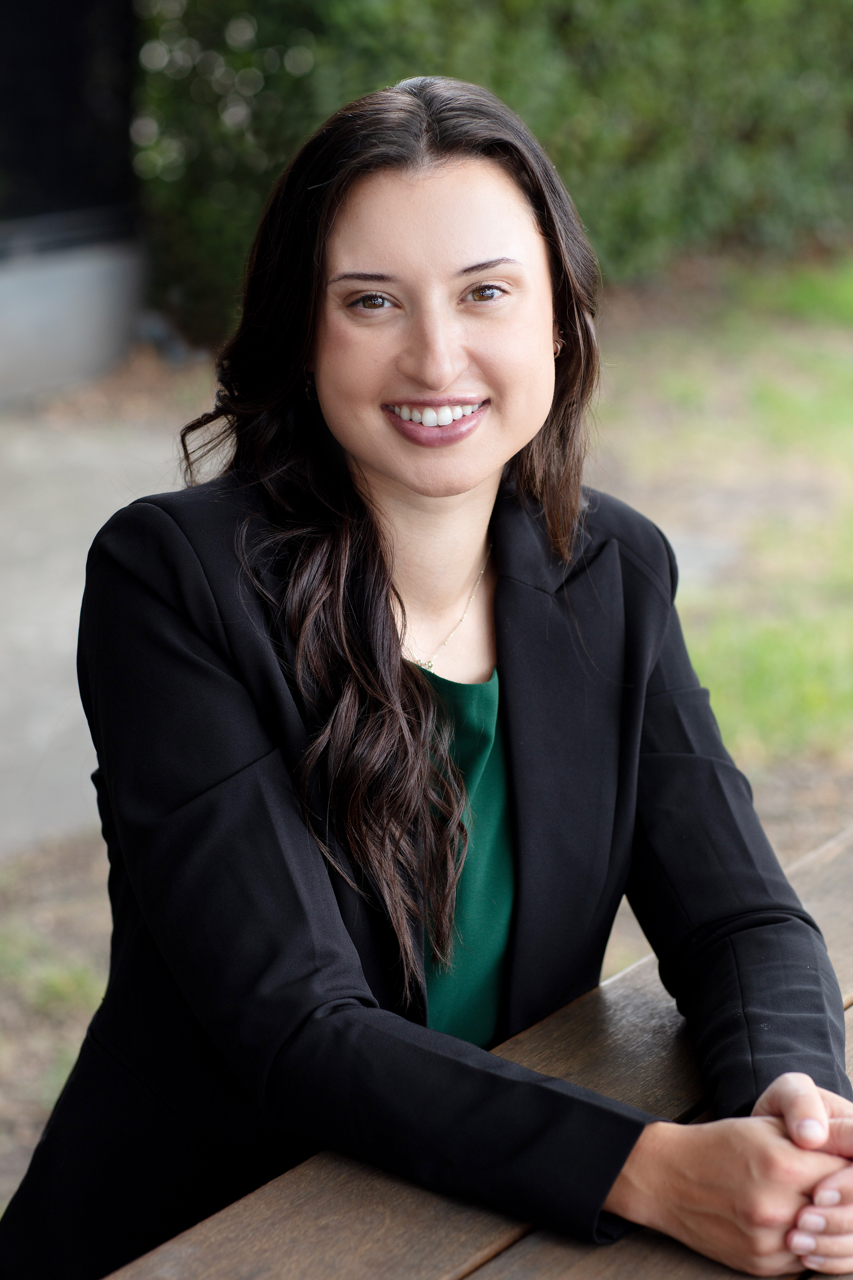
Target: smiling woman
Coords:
[[456, 360], [388, 717]]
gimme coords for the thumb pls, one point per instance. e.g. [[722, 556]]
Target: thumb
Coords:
[[795, 1098]]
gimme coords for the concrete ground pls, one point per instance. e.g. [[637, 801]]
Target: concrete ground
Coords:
[[65, 467]]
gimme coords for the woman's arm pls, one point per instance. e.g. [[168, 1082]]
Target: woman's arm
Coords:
[[749, 970], [746, 964], [240, 904]]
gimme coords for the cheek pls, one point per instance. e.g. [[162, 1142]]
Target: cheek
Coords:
[[350, 368], [524, 369], [523, 355]]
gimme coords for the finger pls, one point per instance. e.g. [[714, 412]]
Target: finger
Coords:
[[828, 1266], [835, 1104], [840, 1139], [796, 1098], [805, 1245], [829, 1247], [820, 1222], [836, 1189]]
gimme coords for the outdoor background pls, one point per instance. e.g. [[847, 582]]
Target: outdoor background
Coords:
[[708, 145]]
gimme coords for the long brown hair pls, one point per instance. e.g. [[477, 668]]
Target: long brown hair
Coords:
[[379, 752]]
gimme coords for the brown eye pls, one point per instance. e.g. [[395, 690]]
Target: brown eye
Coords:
[[485, 293], [371, 302]]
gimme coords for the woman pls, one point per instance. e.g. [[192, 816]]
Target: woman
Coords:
[[394, 628]]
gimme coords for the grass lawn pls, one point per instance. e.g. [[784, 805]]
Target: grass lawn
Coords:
[[728, 417]]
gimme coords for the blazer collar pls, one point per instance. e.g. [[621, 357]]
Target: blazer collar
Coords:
[[522, 548]]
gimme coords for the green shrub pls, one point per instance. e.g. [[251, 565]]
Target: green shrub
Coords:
[[676, 124]]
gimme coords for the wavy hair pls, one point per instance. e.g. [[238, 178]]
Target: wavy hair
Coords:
[[379, 753]]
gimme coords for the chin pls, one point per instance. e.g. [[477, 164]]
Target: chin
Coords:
[[445, 481]]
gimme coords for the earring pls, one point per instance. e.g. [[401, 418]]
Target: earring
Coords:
[[310, 387], [558, 347]]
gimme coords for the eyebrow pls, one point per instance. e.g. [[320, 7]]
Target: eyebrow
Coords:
[[377, 277]]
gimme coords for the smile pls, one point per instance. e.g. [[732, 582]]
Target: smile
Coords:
[[432, 417], [435, 426]]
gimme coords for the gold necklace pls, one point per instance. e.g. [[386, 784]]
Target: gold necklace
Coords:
[[427, 664]]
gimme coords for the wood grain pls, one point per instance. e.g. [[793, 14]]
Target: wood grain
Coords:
[[644, 1255], [333, 1217], [625, 1039]]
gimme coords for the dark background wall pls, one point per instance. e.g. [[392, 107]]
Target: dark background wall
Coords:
[[66, 77]]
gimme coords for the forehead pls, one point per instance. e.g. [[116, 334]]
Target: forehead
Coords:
[[437, 219]]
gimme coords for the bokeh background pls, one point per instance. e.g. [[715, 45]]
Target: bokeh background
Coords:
[[708, 145]]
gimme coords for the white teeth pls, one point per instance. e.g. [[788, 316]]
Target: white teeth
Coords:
[[436, 417]]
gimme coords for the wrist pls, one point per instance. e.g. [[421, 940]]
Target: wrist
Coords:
[[640, 1190]]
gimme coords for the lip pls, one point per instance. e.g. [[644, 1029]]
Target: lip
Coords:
[[436, 437]]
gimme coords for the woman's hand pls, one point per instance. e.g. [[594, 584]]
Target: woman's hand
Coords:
[[818, 1119], [823, 1236], [730, 1189]]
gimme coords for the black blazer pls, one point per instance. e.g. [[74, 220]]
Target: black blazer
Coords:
[[254, 1010]]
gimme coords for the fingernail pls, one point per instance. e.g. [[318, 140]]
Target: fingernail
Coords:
[[812, 1222], [811, 1131], [813, 1260], [826, 1199], [801, 1243]]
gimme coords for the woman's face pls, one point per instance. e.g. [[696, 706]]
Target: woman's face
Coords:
[[434, 354]]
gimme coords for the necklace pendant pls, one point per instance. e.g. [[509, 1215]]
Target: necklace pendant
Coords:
[[427, 666]]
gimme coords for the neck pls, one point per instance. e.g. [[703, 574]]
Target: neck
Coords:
[[438, 548]]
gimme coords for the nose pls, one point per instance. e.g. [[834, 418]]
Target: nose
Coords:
[[434, 354]]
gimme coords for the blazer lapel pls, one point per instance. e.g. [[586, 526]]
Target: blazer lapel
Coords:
[[560, 641]]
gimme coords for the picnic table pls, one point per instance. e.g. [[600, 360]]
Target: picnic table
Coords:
[[335, 1217]]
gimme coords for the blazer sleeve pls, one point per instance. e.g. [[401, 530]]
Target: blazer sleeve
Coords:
[[240, 904], [746, 964]]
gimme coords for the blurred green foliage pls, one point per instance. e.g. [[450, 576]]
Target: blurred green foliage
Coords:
[[675, 123]]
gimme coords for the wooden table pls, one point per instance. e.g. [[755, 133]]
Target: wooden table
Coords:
[[334, 1217]]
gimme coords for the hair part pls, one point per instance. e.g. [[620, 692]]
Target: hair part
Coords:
[[379, 752]]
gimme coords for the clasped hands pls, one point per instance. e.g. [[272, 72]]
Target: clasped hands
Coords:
[[817, 1121], [770, 1194]]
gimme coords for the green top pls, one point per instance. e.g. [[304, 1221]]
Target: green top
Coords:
[[464, 1000]]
